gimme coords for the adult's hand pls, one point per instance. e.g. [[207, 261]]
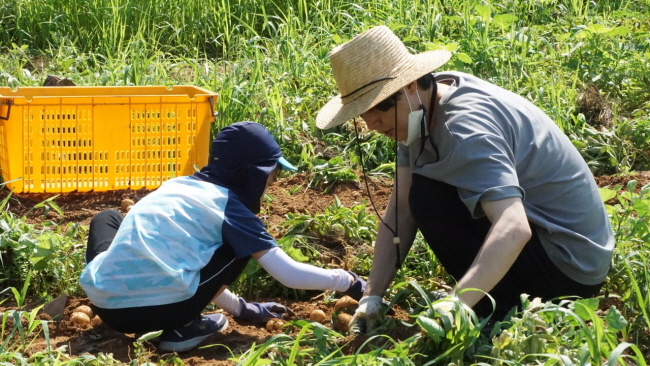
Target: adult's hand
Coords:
[[444, 308], [367, 314], [357, 287], [255, 312]]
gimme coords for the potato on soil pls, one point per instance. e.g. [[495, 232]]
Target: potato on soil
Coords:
[[84, 309], [347, 303], [80, 318], [274, 324], [318, 316], [96, 321], [126, 204], [342, 322]]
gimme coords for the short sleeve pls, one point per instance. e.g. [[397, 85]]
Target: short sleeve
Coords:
[[243, 231], [482, 168]]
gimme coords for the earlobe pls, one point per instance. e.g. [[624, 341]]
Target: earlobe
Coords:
[[412, 86]]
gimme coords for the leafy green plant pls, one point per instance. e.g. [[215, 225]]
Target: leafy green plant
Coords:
[[15, 337], [612, 151], [49, 258], [330, 172], [22, 295], [631, 214], [448, 336], [337, 222]]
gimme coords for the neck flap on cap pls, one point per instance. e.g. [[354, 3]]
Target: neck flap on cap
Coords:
[[243, 156]]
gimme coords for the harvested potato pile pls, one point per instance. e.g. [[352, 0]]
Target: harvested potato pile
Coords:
[[84, 309]]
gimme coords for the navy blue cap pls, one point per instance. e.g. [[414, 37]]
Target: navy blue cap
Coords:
[[244, 143], [242, 157]]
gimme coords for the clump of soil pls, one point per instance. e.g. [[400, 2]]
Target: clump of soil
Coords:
[[595, 108], [611, 181]]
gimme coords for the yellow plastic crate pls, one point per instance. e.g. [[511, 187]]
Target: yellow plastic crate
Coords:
[[62, 139]]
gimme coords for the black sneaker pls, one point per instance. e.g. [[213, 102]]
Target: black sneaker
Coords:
[[192, 334]]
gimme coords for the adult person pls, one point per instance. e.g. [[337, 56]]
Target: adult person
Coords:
[[501, 196], [182, 245]]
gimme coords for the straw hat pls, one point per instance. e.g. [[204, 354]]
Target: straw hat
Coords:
[[370, 68]]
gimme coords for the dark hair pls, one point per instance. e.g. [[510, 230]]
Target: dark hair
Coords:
[[424, 83]]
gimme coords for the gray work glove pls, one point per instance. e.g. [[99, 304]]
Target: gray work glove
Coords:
[[367, 314]]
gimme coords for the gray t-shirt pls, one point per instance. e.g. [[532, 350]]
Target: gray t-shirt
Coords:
[[494, 144]]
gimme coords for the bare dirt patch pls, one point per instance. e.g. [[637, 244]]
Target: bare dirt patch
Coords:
[[642, 178], [288, 195]]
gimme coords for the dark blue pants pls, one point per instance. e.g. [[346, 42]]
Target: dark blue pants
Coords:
[[222, 269], [455, 238]]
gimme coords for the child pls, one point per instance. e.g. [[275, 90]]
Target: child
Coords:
[[180, 247]]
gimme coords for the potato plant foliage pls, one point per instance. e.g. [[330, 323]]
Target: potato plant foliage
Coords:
[[585, 63]]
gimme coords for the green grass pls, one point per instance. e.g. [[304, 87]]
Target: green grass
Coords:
[[268, 60], [585, 63]]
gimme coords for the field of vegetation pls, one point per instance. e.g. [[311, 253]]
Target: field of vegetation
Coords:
[[586, 63]]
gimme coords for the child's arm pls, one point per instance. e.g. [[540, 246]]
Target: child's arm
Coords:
[[291, 274], [228, 302], [307, 277]]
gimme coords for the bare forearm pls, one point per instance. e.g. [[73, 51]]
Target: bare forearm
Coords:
[[384, 263], [489, 267], [509, 234], [385, 257]]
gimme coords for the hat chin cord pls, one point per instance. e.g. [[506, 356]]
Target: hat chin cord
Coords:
[[396, 240], [424, 136]]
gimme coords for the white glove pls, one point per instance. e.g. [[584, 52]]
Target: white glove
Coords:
[[368, 310]]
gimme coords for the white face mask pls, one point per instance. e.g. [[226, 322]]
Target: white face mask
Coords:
[[414, 120]]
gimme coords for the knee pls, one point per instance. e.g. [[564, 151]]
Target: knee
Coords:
[[106, 216]]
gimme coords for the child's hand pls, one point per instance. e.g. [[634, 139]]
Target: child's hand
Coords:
[[357, 287], [255, 312]]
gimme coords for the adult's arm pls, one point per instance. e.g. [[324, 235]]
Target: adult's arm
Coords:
[[509, 233], [383, 268]]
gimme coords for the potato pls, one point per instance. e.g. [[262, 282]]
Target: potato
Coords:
[[274, 324], [318, 316], [96, 321], [126, 204], [347, 303], [342, 322], [84, 309], [79, 318]]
